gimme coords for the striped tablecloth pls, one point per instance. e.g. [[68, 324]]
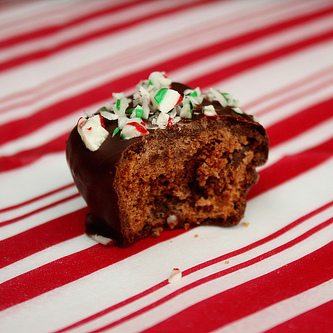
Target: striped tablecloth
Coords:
[[273, 272]]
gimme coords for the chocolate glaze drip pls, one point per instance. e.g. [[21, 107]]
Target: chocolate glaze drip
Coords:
[[94, 172]]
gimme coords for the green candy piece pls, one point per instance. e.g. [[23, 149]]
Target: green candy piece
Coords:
[[116, 130], [160, 95], [138, 113], [118, 104]]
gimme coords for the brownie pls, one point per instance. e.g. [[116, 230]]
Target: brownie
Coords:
[[166, 157]]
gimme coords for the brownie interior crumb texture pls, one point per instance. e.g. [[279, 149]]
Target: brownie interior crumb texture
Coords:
[[182, 172]]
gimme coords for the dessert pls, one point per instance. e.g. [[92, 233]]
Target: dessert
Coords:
[[167, 157]]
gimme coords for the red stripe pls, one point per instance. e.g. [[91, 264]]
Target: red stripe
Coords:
[[51, 276], [38, 55], [220, 75], [307, 91], [291, 166], [41, 237], [299, 123], [254, 295], [27, 202], [29, 156], [55, 203], [201, 266], [318, 320], [50, 30], [321, 74], [103, 92]]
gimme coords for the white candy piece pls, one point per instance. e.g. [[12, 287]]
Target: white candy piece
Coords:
[[172, 221], [238, 110], [162, 120], [108, 115], [92, 133], [102, 240], [122, 122], [185, 111], [231, 100], [175, 275], [221, 99], [145, 102], [166, 99]]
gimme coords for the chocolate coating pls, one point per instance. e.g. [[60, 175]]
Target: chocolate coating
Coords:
[[94, 171]]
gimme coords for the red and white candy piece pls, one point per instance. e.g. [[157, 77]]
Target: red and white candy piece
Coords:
[[166, 99], [159, 80], [92, 131], [175, 275], [209, 111], [133, 129]]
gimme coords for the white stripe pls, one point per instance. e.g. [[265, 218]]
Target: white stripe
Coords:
[[50, 172], [40, 203], [280, 312], [74, 304], [24, 11], [295, 146]]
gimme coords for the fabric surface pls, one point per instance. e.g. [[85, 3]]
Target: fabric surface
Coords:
[[271, 273]]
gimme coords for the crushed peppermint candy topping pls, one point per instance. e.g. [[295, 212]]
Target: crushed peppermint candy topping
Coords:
[[154, 105], [102, 240], [92, 131], [133, 129], [166, 99], [175, 275], [209, 111]]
